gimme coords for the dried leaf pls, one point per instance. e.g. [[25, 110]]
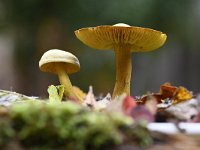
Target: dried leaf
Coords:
[[184, 111], [103, 103], [177, 94], [9, 97], [182, 95], [128, 104], [90, 100], [116, 105], [167, 90], [144, 98]]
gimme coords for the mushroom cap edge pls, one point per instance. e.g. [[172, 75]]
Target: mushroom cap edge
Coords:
[[106, 37]]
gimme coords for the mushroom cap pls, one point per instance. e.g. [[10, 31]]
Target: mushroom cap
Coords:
[[107, 37], [52, 58]]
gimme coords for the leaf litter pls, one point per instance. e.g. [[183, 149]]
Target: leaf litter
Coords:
[[170, 104]]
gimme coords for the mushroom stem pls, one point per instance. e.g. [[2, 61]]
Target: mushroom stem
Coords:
[[64, 80], [123, 70]]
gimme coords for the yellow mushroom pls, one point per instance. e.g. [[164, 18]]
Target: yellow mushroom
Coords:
[[124, 39], [61, 63]]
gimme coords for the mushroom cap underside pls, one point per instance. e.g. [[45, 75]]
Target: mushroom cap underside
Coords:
[[55, 58], [107, 37]]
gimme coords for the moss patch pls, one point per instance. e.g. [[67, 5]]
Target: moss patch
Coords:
[[41, 125]]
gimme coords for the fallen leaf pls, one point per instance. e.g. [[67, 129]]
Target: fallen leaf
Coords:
[[116, 105], [144, 98], [182, 94], [185, 110], [103, 103], [128, 104], [90, 100], [9, 97], [167, 90]]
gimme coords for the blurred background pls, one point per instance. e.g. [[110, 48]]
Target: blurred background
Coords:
[[28, 28]]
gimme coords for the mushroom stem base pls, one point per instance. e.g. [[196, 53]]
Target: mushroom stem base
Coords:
[[69, 90]]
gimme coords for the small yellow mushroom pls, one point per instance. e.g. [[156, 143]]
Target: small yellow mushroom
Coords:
[[61, 63]]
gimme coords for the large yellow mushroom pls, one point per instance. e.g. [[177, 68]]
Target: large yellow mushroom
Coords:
[[124, 39]]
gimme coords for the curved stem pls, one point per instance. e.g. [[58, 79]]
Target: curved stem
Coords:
[[64, 80], [123, 70]]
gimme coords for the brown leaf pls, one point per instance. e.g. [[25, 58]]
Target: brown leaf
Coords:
[[167, 90]]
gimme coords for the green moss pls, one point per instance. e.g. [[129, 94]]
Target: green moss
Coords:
[[41, 125]]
